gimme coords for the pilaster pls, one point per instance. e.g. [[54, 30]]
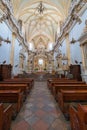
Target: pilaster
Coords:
[[12, 49], [68, 49]]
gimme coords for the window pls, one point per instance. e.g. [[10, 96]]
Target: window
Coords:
[[50, 46], [40, 61], [30, 46]]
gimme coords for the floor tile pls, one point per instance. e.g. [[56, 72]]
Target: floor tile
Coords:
[[40, 111], [21, 126], [41, 125], [32, 120]]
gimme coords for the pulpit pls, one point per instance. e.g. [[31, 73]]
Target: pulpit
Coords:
[[75, 70], [5, 71]]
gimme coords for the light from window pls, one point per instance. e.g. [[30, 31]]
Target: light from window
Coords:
[[40, 61], [30, 46], [50, 46]]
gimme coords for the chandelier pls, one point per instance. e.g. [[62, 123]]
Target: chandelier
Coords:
[[40, 9], [4, 40]]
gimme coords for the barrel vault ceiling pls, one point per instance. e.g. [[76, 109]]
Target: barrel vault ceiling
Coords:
[[41, 20]]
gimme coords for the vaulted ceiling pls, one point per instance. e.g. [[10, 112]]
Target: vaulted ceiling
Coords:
[[41, 20]]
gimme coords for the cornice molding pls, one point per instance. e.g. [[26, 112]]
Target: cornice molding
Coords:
[[21, 55], [7, 9], [71, 20], [83, 38]]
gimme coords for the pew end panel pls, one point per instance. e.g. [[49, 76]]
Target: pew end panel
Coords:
[[13, 96], [82, 113], [74, 119], [7, 117], [1, 116]]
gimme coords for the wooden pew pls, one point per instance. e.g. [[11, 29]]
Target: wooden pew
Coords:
[[59, 80], [1, 117], [68, 85], [12, 96], [30, 80], [5, 116], [65, 82], [67, 97], [29, 86], [51, 82], [78, 117], [15, 86]]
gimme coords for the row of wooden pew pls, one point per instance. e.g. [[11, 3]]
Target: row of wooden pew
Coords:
[[13, 93], [69, 93]]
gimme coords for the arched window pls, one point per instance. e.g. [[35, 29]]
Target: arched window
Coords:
[[40, 61], [31, 47], [50, 46]]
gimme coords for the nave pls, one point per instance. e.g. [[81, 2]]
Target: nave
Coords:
[[40, 112]]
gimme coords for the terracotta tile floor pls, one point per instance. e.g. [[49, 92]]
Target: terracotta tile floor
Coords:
[[40, 112]]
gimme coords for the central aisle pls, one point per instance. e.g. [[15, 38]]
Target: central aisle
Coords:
[[40, 112]]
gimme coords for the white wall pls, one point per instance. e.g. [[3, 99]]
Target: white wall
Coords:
[[16, 57], [26, 65], [5, 48], [75, 33]]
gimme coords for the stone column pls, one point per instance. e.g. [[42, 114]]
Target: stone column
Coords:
[[12, 53], [52, 64], [12, 49], [68, 49], [21, 63], [28, 65], [83, 57], [57, 62]]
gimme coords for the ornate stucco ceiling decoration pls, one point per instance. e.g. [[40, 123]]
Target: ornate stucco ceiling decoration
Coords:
[[43, 25], [40, 39]]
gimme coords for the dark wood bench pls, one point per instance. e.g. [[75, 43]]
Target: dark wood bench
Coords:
[[17, 82], [69, 97], [78, 117], [12, 96], [29, 80], [59, 80], [68, 85], [15, 86], [65, 82], [51, 82], [5, 116]]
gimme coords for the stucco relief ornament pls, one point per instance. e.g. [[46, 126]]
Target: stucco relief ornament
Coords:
[[86, 22], [85, 29], [9, 4], [85, 1], [3, 18]]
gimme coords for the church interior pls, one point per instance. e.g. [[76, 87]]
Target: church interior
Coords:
[[43, 64]]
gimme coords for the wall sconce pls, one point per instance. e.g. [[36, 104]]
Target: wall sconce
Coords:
[[3, 18], [77, 18], [40, 9], [64, 57], [73, 41], [4, 40]]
